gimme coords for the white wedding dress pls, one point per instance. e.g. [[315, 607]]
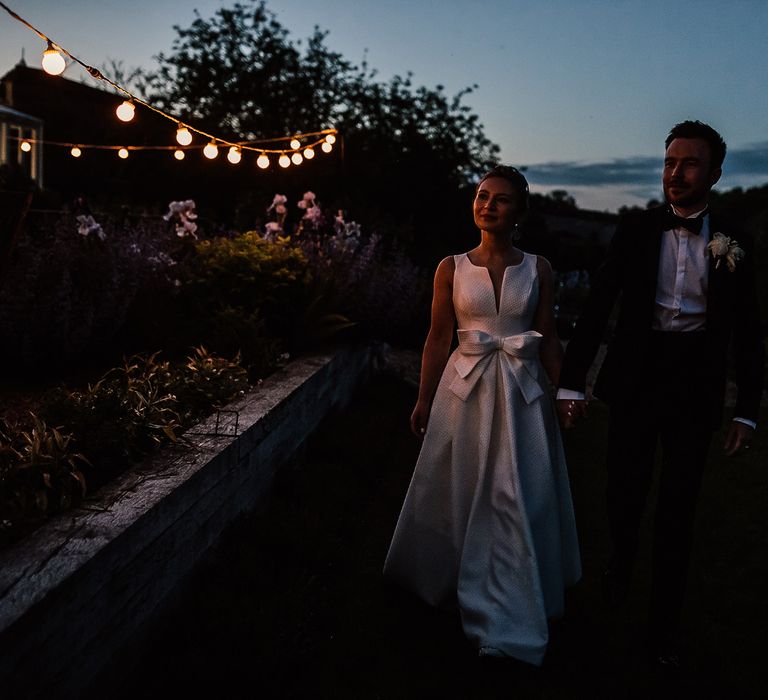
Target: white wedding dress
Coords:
[[488, 520]]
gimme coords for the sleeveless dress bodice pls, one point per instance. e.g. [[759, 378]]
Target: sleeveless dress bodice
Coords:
[[474, 300]]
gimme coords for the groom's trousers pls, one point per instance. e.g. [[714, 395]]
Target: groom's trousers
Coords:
[[671, 408]]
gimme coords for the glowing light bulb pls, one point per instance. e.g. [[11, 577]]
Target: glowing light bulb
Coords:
[[178, 154], [309, 153], [76, 152], [327, 148], [295, 144], [123, 153], [234, 155], [284, 161], [125, 111], [211, 150], [330, 139], [25, 146], [297, 158], [53, 61], [263, 161], [183, 136]]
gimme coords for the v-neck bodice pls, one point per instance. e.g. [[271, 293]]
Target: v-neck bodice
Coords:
[[474, 298]]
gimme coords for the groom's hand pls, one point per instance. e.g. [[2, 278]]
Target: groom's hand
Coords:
[[738, 437], [569, 411]]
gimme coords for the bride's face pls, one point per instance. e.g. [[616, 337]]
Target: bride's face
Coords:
[[496, 207]]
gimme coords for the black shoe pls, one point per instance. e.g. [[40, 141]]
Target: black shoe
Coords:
[[616, 586]]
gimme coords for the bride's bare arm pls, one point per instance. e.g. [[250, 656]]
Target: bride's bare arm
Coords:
[[551, 352], [437, 347]]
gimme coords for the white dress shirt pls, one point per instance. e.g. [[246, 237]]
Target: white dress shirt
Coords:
[[681, 290]]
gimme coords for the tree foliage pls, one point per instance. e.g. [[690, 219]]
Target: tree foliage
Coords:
[[407, 151]]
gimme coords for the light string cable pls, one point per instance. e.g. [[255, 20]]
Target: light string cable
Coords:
[[97, 74], [177, 147]]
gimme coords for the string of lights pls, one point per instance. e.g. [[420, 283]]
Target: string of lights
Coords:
[[54, 63], [234, 154]]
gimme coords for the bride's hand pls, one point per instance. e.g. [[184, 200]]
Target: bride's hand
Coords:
[[419, 419], [569, 411]]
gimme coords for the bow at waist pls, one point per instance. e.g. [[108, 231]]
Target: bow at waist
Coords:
[[476, 348]]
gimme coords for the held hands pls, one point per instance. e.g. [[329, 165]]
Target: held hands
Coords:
[[570, 411], [419, 419], [737, 438]]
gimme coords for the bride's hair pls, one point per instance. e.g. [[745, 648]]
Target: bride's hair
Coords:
[[514, 177]]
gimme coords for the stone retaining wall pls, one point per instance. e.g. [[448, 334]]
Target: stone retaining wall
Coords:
[[75, 591]]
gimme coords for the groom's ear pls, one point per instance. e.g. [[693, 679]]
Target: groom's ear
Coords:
[[714, 176]]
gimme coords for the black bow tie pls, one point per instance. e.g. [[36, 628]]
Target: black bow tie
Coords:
[[673, 221]]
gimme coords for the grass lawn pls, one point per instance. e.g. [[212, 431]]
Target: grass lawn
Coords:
[[292, 603]]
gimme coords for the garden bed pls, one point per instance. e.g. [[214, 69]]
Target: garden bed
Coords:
[[75, 591]]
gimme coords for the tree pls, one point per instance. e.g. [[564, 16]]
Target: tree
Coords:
[[409, 153]]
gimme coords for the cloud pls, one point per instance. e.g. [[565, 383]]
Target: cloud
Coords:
[[643, 173], [750, 160], [637, 170]]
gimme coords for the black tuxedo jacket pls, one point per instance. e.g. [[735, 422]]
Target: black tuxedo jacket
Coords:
[[630, 272]]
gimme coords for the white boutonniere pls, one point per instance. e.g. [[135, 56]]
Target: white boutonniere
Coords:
[[722, 247]]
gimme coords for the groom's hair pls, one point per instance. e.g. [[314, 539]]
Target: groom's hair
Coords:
[[511, 175], [699, 130]]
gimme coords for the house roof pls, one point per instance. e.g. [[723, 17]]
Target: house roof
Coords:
[[13, 115]]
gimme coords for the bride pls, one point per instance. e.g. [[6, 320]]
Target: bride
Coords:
[[487, 524]]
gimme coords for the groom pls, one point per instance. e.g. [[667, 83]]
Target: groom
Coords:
[[686, 292]]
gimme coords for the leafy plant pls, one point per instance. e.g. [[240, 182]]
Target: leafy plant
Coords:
[[207, 381], [243, 294], [39, 471]]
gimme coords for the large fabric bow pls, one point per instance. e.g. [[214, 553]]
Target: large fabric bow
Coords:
[[476, 349]]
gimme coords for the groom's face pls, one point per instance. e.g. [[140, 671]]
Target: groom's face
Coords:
[[688, 173]]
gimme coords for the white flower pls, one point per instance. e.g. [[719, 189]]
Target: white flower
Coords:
[[186, 208], [189, 209], [722, 246], [718, 246], [352, 229], [272, 230], [302, 204], [162, 259], [183, 213], [278, 200], [309, 196], [314, 215], [86, 225], [186, 228], [280, 209]]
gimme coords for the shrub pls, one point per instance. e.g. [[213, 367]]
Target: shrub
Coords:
[[364, 279], [207, 381], [243, 294], [121, 417], [130, 411], [40, 473], [248, 272], [66, 294], [140, 405]]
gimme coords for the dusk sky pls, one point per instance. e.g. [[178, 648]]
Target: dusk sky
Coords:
[[583, 93]]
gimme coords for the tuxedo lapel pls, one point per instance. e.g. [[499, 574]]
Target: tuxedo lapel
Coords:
[[653, 252], [716, 279]]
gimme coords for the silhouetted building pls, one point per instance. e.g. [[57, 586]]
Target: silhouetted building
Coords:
[[16, 128], [68, 112]]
